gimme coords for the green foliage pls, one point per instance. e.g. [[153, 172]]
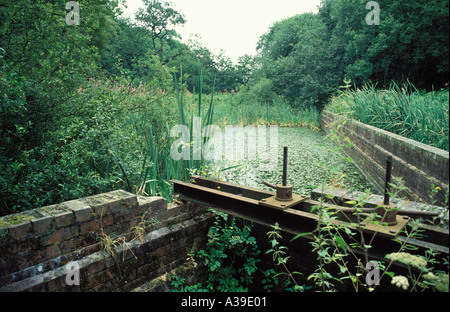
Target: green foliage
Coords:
[[403, 110], [68, 128], [262, 92], [135, 46], [230, 256], [87, 109], [150, 71], [306, 56], [50, 57], [411, 41], [159, 17], [279, 257], [13, 122], [43, 64], [99, 148], [243, 109], [295, 58]]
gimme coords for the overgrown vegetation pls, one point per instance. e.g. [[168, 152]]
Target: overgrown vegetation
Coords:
[[88, 108], [403, 110], [342, 254], [230, 256], [233, 260], [305, 57], [245, 108]]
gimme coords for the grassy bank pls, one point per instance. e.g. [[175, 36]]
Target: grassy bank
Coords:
[[403, 110], [237, 109]]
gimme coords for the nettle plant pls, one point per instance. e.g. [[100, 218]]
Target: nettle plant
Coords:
[[230, 256]]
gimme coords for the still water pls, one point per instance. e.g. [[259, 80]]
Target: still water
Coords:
[[313, 160]]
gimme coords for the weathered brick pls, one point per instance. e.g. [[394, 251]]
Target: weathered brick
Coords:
[[89, 226], [373, 145], [152, 204], [43, 224], [98, 288], [95, 280], [172, 210], [51, 251], [123, 202], [19, 224], [135, 221], [81, 210], [95, 267], [89, 248], [55, 285], [63, 234], [68, 245], [74, 230], [106, 221], [100, 204], [4, 233], [128, 199], [25, 260], [62, 215], [21, 230], [64, 219]]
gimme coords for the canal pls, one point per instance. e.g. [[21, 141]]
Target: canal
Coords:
[[314, 160]]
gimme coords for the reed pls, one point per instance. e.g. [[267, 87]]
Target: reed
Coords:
[[232, 110], [205, 113], [403, 110], [157, 167]]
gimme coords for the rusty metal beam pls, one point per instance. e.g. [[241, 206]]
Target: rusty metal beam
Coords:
[[292, 220], [245, 202]]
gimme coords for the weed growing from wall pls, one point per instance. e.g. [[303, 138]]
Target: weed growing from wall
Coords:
[[230, 256]]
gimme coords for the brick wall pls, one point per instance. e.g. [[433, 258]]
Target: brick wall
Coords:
[[36, 246], [420, 165]]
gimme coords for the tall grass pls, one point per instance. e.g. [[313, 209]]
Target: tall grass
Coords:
[[232, 110], [403, 110]]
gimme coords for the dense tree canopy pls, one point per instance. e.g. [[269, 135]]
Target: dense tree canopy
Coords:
[[308, 56], [295, 56], [44, 60], [411, 41]]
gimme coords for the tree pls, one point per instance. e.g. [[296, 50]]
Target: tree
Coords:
[[294, 55], [411, 42], [160, 18], [51, 57], [43, 63], [244, 68], [130, 43]]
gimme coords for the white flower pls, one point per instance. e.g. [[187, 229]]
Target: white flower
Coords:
[[401, 282], [408, 259]]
